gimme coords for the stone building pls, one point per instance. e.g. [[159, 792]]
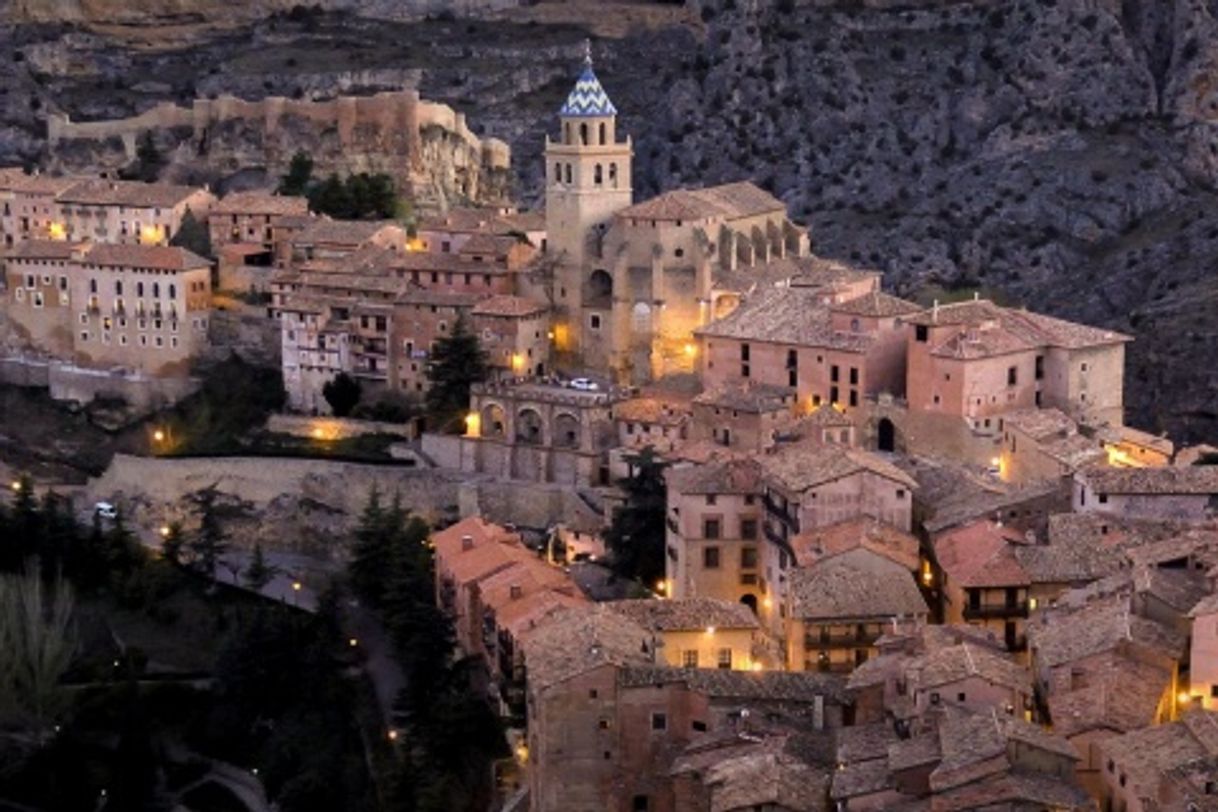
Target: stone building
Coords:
[[606, 724], [977, 362], [800, 336], [715, 547], [745, 417], [981, 579], [1166, 493], [700, 632], [136, 307], [128, 212], [535, 431], [634, 281], [1044, 444], [1136, 763], [254, 218], [839, 607], [96, 209]]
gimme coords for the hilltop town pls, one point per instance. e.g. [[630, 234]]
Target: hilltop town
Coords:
[[707, 521]]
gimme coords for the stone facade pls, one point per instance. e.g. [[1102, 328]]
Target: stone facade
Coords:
[[141, 308], [530, 430]]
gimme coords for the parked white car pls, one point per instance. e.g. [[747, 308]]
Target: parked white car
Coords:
[[583, 384], [106, 510]]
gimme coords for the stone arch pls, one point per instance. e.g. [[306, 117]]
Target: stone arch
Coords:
[[530, 429], [750, 600], [567, 132], [568, 173], [613, 174], [557, 173], [566, 430], [600, 288], [602, 133], [640, 318], [583, 134], [494, 420], [598, 175], [886, 435]]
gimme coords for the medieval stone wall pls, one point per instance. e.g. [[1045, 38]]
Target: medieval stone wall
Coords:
[[428, 148]]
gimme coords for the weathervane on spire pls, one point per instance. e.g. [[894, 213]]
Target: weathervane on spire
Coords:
[[588, 52]]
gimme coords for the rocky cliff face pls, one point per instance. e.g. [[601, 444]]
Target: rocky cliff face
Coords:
[[1060, 153], [145, 12]]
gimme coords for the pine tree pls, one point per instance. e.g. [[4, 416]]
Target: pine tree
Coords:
[[210, 541], [636, 536], [259, 573], [148, 159], [193, 236], [342, 393], [300, 175], [370, 551], [457, 362]]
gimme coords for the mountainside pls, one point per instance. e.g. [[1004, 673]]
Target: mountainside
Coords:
[[1059, 153]]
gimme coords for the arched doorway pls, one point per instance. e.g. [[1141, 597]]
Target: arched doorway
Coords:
[[886, 435], [750, 601], [600, 289]]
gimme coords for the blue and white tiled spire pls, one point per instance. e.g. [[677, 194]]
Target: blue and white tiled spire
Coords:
[[588, 98]]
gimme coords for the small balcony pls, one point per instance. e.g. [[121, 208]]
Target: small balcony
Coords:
[[1010, 609]]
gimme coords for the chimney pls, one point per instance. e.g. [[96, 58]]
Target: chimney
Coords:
[[467, 542], [515, 591], [976, 296], [934, 311]]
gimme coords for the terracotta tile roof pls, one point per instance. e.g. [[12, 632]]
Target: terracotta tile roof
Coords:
[[651, 410], [801, 466], [810, 271], [879, 537], [750, 767], [981, 554], [876, 304], [479, 563], [856, 584], [825, 416], [39, 184], [522, 616], [865, 742], [1019, 327], [749, 396], [449, 541], [686, 614], [728, 201], [44, 250], [1124, 696], [732, 684], [462, 219], [735, 476], [260, 203], [495, 245], [158, 257], [11, 177], [1041, 424], [950, 664], [1143, 756], [1192, 480], [579, 639], [914, 752], [1059, 637], [416, 295], [1134, 436], [351, 233], [972, 738], [100, 192], [785, 316], [861, 778], [509, 307], [1015, 790], [1074, 451], [1067, 562], [1108, 531]]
